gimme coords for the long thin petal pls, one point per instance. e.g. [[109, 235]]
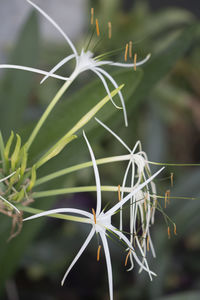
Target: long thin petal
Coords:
[[29, 69], [119, 93], [58, 66], [105, 86], [10, 204], [108, 263], [126, 241], [131, 65], [138, 188], [79, 254], [114, 134], [60, 210], [96, 174], [56, 26]]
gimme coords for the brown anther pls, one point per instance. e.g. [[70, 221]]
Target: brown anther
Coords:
[[168, 232], [98, 252], [126, 52], [145, 203], [94, 214], [92, 15], [172, 179], [167, 196], [130, 49], [148, 243], [109, 30], [119, 195], [127, 256], [97, 27], [175, 229], [135, 61]]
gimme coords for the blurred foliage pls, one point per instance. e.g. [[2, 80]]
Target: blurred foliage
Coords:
[[164, 113]]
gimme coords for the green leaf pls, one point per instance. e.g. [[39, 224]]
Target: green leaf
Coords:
[[15, 155], [16, 86]]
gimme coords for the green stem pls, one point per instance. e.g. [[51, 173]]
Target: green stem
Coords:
[[47, 112], [80, 189], [173, 165], [58, 216], [81, 166]]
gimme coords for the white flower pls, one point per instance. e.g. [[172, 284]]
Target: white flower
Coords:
[[3, 199], [84, 61], [101, 224], [142, 207]]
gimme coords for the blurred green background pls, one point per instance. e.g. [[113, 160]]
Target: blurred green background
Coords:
[[163, 104]]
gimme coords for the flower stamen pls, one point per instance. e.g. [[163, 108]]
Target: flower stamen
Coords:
[[94, 214], [168, 232], [130, 49], [109, 30], [98, 253], [97, 27], [92, 15], [148, 243], [135, 61], [126, 52], [127, 256], [119, 195], [175, 229]]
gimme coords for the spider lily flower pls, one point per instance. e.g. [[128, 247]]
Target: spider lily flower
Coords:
[[101, 224], [3, 199], [141, 203], [84, 61]]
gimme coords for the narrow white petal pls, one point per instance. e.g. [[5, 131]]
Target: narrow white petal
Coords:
[[151, 246], [58, 66], [3, 179], [124, 238], [114, 134], [60, 210], [138, 188], [119, 93], [131, 65], [108, 263], [56, 26], [105, 86], [79, 254], [29, 69], [96, 173], [10, 204]]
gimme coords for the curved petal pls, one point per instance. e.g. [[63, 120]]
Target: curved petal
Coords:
[[106, 86], [131, 65], [60, 210], [126, 241], [96, 174], [58, 66], [29, 69], [56, 26], [10, 204], [119, 93], [108, 263], [138, 188], [114, 134], [79, 254]]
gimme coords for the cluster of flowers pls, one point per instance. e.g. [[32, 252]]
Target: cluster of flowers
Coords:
[[141, 192]]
